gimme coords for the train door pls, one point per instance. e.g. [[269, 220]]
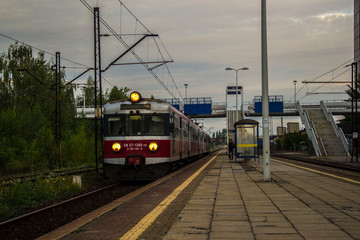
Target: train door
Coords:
[[172, 134], [181, 138], [198, 140], [185, 140], [189, 139]]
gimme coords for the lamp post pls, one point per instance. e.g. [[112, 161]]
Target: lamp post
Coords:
[[295, 91], [242, 93], [265, 94], [186, 85]]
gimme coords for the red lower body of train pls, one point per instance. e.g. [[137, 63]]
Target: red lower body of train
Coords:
[[135, 160]]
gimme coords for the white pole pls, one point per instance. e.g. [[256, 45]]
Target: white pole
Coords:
[[227, 122], [265, 95], [295, 92], [242, 102], [237, 108]]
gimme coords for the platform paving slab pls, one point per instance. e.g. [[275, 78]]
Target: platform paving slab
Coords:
[[231, 203]]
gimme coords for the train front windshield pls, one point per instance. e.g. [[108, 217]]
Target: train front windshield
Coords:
[[137, 125]]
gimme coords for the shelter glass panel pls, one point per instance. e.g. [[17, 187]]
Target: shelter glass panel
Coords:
[[246, 140]]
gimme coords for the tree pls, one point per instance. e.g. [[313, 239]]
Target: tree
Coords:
[[220, 137], [27, 115], [118, 94], [88, 91], [352, 92], [27, 107]]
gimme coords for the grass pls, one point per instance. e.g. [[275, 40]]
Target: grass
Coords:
[[19, 196]]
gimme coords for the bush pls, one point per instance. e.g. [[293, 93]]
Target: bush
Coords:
[[294, 141], [78, 148], [43, 151], [29, 194]]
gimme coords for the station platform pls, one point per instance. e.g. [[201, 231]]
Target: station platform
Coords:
[[227, 200], [231, 203], [346, 162]]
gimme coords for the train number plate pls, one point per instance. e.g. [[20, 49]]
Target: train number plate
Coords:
[[134, 160]]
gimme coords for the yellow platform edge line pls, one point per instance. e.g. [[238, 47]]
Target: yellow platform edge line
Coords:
[[144, 223], [247, 145], [315, 171]]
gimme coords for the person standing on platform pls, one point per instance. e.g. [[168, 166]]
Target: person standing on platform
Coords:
[[231, 149]]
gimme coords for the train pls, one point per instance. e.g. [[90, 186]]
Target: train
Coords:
[[144, 138]]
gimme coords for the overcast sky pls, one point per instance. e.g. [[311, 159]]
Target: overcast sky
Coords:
[[306, 39]]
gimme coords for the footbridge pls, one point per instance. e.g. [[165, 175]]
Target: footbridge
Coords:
[[326, 138]]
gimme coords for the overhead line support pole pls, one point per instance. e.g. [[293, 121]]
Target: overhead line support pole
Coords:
[[265, 95], [97, 70], [58, 104]]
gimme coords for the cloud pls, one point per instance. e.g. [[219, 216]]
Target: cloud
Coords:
[[330, 17], [305, 38]]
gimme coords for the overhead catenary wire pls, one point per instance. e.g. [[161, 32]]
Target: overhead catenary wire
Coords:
[[347, 70], [39, 49], [51, 54], [118, 37], [320, 76]]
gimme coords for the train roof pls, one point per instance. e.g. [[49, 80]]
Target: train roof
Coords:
[[145, 103], [150, 104]]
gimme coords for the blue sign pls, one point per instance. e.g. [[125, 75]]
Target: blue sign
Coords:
[[194, 106], [276, 104]]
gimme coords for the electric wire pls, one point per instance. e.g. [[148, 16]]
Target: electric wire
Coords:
[[322, 75], [39, 49], [150, 70]]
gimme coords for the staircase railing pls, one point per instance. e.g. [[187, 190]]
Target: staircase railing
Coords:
[[323, 152], [309, 129], [338, 131]]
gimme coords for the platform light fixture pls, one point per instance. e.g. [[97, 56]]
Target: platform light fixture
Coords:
[[242, 92]]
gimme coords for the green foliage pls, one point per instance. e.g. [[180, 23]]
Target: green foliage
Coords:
[[278, 144], [29, 194], [294, 141], [77, 148], [118, 94], [88, 92], [219, 137], [43, 150], [27, 116]]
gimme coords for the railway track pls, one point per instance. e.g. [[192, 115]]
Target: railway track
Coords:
[[319, 161], [33, 177], [322, 167], [39, 222]]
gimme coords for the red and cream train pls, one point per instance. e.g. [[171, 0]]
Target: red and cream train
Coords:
[[144, 138]]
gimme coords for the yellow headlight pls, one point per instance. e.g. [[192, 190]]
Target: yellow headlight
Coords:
[[135, 97], [153, 147], [116, 147]]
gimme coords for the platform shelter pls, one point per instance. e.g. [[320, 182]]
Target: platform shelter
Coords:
[[246, 139]]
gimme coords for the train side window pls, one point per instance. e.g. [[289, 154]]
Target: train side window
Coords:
[[135, 125], [116, 126], [154, 125]]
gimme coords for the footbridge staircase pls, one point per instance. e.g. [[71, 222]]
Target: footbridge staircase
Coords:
[[325, 136]]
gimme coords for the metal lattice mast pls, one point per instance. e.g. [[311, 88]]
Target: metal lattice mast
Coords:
[[58, 104], [97, 77]]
